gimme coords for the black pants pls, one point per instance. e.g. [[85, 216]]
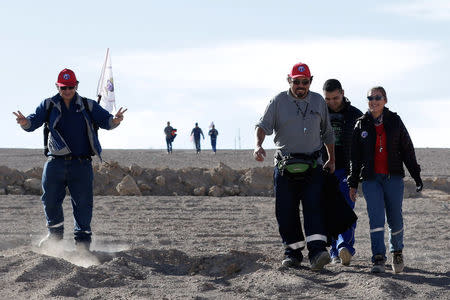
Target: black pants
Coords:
[[288, 194]]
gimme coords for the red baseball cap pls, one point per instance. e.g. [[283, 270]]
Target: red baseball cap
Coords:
[[300, 70], [67, 78]]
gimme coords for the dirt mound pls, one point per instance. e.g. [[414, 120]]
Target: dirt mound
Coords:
[[113, 179]]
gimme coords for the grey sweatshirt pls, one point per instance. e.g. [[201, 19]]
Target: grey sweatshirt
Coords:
[[300, 125]]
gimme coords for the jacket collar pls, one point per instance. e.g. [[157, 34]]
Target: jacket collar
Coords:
[[58, 101]]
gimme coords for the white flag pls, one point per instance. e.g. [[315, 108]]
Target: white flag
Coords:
[[105, 87]]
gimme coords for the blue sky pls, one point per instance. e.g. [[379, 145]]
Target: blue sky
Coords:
[[222, 61]]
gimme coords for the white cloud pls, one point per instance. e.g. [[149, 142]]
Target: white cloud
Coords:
[[437, 10], [264, 64]]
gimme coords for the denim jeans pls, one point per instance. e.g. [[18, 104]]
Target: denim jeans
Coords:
[[197, 145], [169, 144], [347, 238], [288, 195], [213, 144], [77, 175], [384, 197]]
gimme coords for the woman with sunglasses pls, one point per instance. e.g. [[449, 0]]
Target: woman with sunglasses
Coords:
[[380, 146]]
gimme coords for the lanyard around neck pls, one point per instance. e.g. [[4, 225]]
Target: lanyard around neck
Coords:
[[300, 110]]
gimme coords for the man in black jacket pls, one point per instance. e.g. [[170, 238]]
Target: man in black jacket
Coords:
[[343, 118]]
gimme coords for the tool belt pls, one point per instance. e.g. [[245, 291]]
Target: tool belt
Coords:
[[297, 166]]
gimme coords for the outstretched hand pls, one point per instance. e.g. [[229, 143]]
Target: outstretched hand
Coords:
[[20, 118], [119, 116]]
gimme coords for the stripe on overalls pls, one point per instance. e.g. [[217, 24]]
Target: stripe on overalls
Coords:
[[56, 225], [397, 232], [377, 229], [316, 237], [297, 245]]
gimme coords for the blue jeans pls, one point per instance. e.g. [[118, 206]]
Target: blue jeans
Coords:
[[169, 144], [213, 144], [384, 197], [347, 238], [77, 175], [197, 145], [288, 195]]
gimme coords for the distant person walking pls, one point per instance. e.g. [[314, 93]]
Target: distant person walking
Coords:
[[72, 141], [170, 133], [380, 146], [343, 117], [196, 132], [213, 133]]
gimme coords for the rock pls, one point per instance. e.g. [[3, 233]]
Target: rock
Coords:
[[216, 177], [112, 171], [136, 170], [128, 187], [101, 183], [215, 191], [257, 180], [160, 180], [440, 183], [232, 269], [200, 191], [33, 185], [144, 187], [231, 190], [34, 173], [194, 177], [15, 190], [206, 286], [11, 176], [222, 174], [2, 191]]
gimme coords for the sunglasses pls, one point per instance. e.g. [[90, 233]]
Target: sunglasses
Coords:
[[66, 88], [377, 98], [303, 82]]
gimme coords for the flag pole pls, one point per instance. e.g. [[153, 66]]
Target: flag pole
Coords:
[[100, 82]]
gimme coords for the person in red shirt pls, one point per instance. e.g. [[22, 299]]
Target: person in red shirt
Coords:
[[380, 146]]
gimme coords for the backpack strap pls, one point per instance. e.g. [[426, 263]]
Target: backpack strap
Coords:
[[46, 129], [89, 112]]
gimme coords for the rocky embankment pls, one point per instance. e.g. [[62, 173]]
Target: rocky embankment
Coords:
[[114, 180]]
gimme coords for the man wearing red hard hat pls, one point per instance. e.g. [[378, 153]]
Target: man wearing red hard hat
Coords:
[[72, 141], [299, 118]]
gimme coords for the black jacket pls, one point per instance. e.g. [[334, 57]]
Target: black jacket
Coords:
[[398, 145], [351, 114], [339, 216]]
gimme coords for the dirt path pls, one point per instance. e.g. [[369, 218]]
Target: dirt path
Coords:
[[205, 247]]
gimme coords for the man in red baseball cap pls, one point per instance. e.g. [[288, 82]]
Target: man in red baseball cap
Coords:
[[67, 78], [300, 80], [72, 141], [67, 84], [300, 120]]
